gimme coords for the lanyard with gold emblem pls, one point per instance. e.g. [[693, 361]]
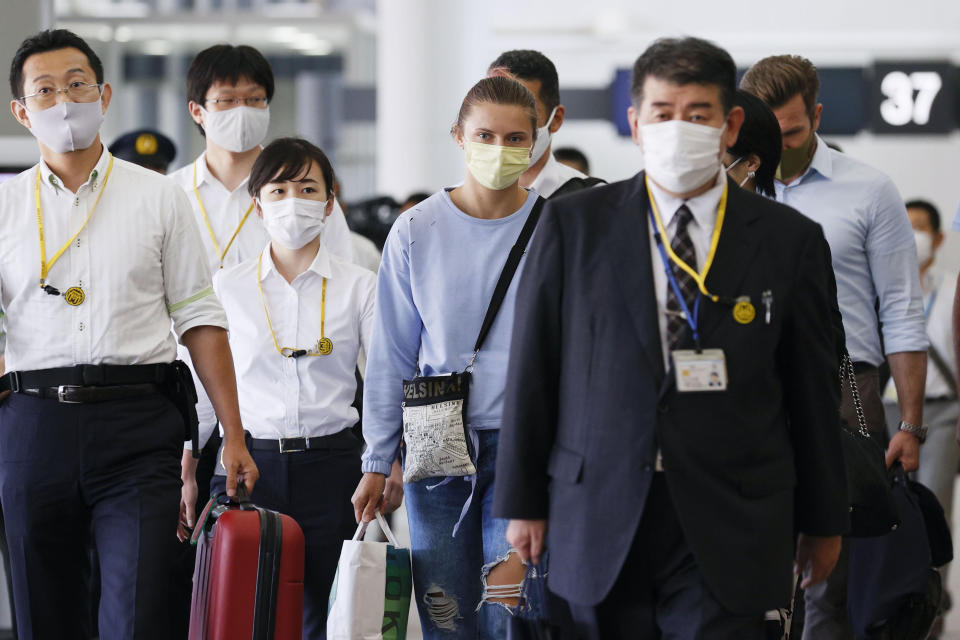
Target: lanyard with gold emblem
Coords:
[[74, 296], [743, 309], [324, 345], [213, 238]]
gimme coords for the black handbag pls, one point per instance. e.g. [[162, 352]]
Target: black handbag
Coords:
[[893, 592], [873, 511]]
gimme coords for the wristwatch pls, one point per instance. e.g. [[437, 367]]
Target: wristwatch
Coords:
[[919, 432]]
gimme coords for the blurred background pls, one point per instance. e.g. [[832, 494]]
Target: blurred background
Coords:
[[377, 84]]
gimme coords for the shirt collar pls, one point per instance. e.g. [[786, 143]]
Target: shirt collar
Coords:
[[703, 207], [319, 266], [205, 177], [48, 178], [822, 161], [547, 172]]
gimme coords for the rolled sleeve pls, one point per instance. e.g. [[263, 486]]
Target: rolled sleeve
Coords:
[[892, 255], [186, 275]]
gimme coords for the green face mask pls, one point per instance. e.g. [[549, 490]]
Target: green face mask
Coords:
[[496, 167], [793, 161]]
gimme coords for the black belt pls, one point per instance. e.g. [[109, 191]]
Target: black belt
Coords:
[[88, 375], [343, 440], [72, 394], [863, 367]]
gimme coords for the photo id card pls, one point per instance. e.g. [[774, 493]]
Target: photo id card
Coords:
[[704, 371]]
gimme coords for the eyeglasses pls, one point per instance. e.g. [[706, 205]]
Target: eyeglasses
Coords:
[[46, 97], [229, 103]]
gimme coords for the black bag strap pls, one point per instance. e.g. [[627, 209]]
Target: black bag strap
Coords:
[[943, 368], [268, 574], [846, 369], [576, 184], [506, 276]]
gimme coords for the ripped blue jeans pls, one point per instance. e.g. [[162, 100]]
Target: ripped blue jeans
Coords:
[[449, 573]]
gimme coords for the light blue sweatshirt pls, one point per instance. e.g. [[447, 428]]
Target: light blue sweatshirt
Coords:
[[439, 269]]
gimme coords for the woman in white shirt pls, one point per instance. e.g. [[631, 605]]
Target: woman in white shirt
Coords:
[[299, 317]]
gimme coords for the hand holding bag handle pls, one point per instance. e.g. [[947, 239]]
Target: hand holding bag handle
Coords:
[[384, 526]]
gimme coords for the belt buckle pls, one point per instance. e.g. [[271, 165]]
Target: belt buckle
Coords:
[[61, 393], [292, 446]]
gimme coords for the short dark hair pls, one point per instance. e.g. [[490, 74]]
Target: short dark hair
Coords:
[[686, 61], [776, 79], [760, 134], [50, 40], [497, 90], [227, 63], [572, 154], [289, 159], [527, 64], [416, 198], [932, 212]]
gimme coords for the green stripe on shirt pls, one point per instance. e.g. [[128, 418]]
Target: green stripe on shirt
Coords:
[[180, 305]]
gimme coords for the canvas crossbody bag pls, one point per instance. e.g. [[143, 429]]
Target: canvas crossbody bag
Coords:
[[435, 407]]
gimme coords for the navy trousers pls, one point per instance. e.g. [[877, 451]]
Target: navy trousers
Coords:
[[660, 593], [109, 469], [314, 488]]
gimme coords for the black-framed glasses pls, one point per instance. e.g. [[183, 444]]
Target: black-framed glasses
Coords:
[[76, 91], [228, 103]]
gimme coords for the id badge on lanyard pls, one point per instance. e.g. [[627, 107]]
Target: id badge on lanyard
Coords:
[[695, 369]]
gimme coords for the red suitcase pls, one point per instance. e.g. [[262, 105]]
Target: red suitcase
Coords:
[[248, 578]]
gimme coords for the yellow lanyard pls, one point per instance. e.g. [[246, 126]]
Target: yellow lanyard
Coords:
[[213, 238], [324, 345], [44, 265], [699, 278]]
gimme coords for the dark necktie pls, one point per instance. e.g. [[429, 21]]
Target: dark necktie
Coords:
[[682, 245]]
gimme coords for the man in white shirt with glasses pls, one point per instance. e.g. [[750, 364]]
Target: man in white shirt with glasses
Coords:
[[97, 258]]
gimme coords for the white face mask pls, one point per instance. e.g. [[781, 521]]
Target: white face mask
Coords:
[[67, 126], [293, 222], [543, 140], [924, 242], [681, 156], [238, 129], [750, 174]]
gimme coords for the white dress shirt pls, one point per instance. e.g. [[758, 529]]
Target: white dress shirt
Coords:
[[552, 176], [139, 262], [365, 252], [225, 209], [939, 286], [307, 396], [704, 210]]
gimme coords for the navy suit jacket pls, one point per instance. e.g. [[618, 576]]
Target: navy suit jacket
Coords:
[[588, 399]]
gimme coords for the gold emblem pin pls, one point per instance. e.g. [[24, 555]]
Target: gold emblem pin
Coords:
[[146, 144], [743, 311], [325, 346], [74, 296]]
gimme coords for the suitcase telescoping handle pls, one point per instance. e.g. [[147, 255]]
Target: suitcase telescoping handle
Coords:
[[242, 499]]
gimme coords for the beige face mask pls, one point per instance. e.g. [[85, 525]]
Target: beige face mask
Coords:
[[496, 167]]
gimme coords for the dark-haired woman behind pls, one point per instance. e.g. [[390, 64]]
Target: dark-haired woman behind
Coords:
[[440, 266], [299, 316], [752, 162]]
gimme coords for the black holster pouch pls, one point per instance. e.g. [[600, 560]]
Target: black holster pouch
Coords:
[[182, 393]]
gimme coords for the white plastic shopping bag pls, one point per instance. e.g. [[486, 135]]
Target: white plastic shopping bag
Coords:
[[370, 598]]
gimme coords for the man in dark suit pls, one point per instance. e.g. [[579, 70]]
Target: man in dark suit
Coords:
[[676, 507]]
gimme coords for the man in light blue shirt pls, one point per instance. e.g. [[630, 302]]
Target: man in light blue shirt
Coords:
[[878, 285]]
